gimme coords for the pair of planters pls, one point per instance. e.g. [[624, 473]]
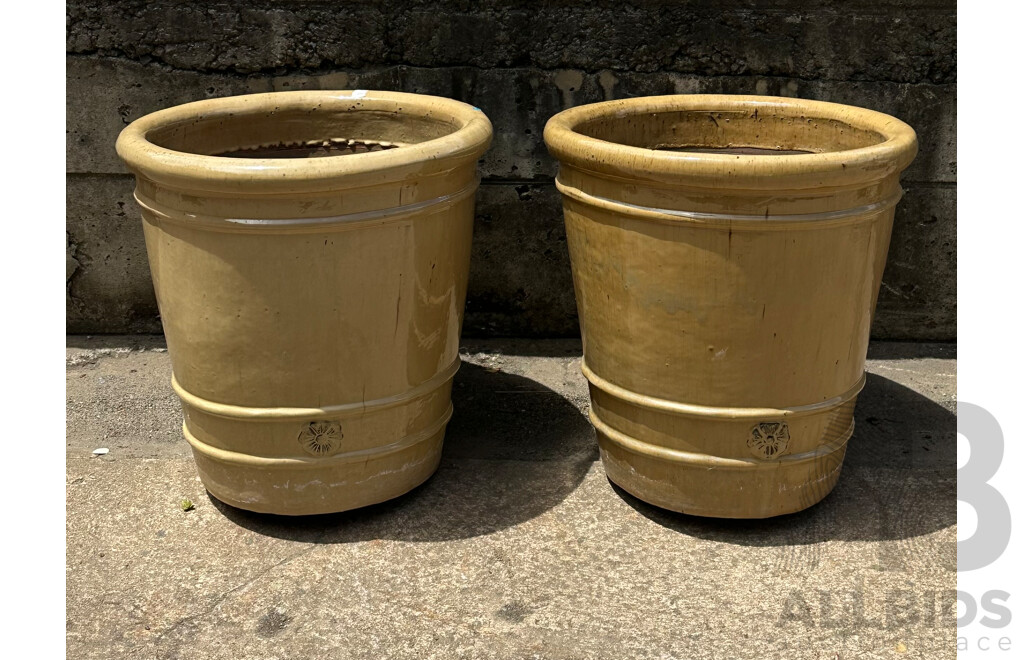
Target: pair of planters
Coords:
[[726, 253]]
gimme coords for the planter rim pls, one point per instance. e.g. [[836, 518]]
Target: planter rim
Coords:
[[844, 168], [470, 137]]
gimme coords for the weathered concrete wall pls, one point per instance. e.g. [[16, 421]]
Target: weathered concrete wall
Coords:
[[520, 61]]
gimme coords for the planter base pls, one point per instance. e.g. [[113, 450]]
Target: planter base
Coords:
[[316, 489], [696, 491], [691, 487], [725, 463], [294, 461]]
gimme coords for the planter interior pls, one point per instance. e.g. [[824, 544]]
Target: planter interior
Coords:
[[744, 131], [289, 132]]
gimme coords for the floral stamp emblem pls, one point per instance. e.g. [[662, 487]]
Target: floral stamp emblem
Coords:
[[321, 438], [769, 439]]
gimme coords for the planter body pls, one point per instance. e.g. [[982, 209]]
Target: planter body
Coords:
[[725, 297], [312, 306]]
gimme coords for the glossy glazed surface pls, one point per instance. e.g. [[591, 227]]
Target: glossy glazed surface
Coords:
[[312, 306], [726, 298]]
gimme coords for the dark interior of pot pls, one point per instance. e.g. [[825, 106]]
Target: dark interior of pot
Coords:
[[752, 132], [737, 151], [298, 133], [311, 149]]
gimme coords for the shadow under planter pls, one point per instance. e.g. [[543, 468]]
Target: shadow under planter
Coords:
[[898, 483], [513, 450]]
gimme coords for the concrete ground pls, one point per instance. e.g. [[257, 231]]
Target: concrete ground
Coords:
[[518, 547]]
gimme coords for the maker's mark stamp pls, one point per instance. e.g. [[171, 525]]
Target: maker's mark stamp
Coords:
[[321, 438], [769, 440]]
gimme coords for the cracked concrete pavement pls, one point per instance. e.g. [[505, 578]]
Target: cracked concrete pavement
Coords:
[[518, 546]]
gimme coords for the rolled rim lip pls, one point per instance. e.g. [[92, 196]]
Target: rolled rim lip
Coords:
[[845, 167], [221, 173]]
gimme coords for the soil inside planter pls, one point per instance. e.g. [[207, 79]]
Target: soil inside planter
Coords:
[[313, 149], [737, 151]]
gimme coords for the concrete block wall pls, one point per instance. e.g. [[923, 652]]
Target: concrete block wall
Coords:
[[520, 61]]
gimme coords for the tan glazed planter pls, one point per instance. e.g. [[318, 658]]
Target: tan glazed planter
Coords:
[[310, 252], [727, 253]]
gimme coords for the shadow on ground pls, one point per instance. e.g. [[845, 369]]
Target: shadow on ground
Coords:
[[513, 450], [898, 481]]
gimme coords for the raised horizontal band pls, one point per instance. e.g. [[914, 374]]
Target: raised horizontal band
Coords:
[[363, 455], [731, 220], [718, 412], [254, 414], [343, 221], [707, 460]]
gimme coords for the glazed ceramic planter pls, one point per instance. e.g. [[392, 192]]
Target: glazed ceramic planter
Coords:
[[727, 253], [310, 252]]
